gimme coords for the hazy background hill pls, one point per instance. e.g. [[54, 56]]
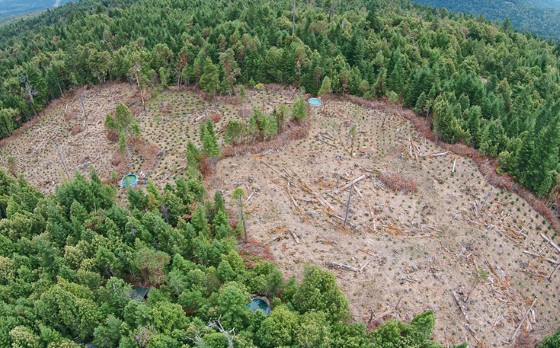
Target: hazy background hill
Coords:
[[547, 3], [12, 8], [540, 17]]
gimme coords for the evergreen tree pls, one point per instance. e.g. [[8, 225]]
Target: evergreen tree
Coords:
[[447, 122], [421, 103], [396, 81], [299, 110], [7, 121], [542, 163], [209, 140], [318, 292], [210, 79], [551, 341], [231, 68], [325, 87]]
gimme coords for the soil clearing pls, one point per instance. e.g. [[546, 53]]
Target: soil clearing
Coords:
[[479, 257]]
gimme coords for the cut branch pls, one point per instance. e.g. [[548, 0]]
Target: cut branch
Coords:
[[552, 273], [295, 237], [228, 334], [512, 339], [351, 183], [365, 265], [545, 237], [437, 154], [461, 305], [250, 196], [341, 266]]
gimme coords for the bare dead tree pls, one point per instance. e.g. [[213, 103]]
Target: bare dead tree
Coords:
[[61, 158], [84, 112], [137, 69], [228, 334], [29, 91], [348, 204]]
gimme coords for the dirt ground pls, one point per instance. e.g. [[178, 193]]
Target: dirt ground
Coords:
[[67, 138], [473, 254]]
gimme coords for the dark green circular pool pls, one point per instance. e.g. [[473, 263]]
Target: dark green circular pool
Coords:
[[257, 304], [129, 180]]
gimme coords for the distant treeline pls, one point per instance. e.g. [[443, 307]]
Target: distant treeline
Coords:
[[541, 18]]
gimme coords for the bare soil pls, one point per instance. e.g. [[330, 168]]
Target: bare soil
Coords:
[[472, 253]]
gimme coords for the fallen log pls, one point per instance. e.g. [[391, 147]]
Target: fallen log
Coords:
[[461, 305], [552, 261], [273, 240], [472, 332], [341, 266], [351, 183], [550, 275], [365, 265], [545, 237], [438, 154], [290, 195], [295, 237], [512, 339]]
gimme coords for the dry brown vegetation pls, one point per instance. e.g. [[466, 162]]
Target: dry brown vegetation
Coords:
[[425, 237], [398, 182]]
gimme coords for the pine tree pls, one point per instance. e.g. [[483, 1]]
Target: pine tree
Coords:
[[396, 80], [299, 111], [234, 131], [492, 138], [542, 165], [209, 140], [7, 121], [421, 102], [446, 119], [325, 87], [210, 79], [193, 155], [123, 124], [473, 116]]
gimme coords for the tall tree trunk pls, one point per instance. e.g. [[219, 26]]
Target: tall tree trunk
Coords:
[[294, 20], [348, 204], [240, 203], [61, 158], [140, 88]]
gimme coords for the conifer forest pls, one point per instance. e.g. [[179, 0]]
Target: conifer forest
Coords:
[[166, 180]]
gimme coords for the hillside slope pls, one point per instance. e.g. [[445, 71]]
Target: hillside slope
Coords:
[[541, 18], [11, 8], [453, 232]]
